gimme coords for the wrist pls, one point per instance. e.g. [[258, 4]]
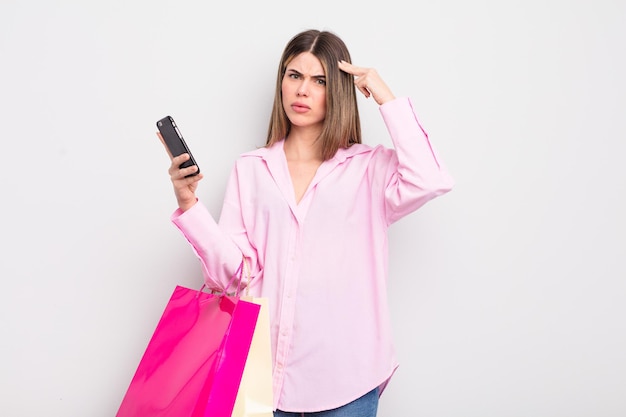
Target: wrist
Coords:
[[187, 204]]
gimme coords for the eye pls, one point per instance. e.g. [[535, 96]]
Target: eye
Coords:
[[294, 75], [321, 81]]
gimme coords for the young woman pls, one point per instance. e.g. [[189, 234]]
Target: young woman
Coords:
[[310, 212]]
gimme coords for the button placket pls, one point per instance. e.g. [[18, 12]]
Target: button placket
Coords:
[[287, 312]]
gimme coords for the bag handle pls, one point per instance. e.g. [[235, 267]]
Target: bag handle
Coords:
[[246, 269], [237, 273]]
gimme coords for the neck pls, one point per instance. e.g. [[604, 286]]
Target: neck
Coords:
[[302, 145]]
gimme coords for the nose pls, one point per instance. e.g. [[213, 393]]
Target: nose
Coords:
[[303, 90]]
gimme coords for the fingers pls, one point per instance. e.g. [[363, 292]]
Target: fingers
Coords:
[[184, 182], [358, 73], [183, 173], [368, 82], [176, 172], [178, 160], [345, 66]]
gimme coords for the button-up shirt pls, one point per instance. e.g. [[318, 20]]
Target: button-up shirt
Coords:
[[322, 262]]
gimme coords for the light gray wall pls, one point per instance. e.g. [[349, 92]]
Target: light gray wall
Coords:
[[508, 294]]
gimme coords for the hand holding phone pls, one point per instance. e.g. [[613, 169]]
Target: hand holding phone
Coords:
[[173, 139]]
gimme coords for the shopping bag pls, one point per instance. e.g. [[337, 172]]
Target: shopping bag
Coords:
[[194, 361], [255, 395]]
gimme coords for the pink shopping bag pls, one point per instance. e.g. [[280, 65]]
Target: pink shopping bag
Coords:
[[194, 361]]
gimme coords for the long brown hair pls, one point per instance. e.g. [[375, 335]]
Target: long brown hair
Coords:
[[342, 126]]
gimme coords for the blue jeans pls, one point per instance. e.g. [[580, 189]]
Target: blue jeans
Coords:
[[366, 406]]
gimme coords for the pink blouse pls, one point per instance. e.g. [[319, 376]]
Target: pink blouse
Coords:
[[322, 263]]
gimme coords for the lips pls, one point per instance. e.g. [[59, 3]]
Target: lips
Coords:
[[300, 108]]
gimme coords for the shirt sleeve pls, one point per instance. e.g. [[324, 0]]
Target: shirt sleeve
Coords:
[[219, 255], [418, 175]]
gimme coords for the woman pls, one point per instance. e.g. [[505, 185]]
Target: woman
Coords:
[[309, 212]]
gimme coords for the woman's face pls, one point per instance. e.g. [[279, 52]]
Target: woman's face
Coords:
[[304, 91]]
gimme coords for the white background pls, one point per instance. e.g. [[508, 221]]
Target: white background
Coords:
[[508, 294]]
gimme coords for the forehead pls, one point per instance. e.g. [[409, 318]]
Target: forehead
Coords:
[[306, 63]]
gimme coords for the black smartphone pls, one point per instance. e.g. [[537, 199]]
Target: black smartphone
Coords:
[[175, 142]]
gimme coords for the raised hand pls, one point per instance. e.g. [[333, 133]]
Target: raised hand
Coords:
[[184, 186], [368, 82]]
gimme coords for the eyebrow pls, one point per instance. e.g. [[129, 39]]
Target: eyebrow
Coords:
[[319, 77]]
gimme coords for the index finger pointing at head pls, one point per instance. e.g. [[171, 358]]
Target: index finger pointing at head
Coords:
[[349, 68]]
